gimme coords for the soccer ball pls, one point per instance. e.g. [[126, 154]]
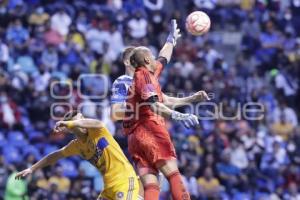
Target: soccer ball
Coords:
[[197, 23]]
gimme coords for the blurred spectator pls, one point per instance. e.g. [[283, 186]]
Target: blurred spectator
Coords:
[[60, 22], [50, 58], [154, 5], [100, 65], [185, 67], [77, 38], [42, 79], [288, 84], [82, 21], [270, 41], [286, 113], [96, 37], [58, 182], [293, 193], [273, 161], [70, 53], [55, 193], [41, 181], [52, 36], [276, 195], [138, 26], [17, 35], [251, 26], [254, 145], [9, 113], [293, 146], [291, 175], [207, 5], [4, 54], [282, 128], [37, 44], [75, 191], [15, 189], [238, 156], [254, 82], [3, 175], [210, 55], [19, 10], [228, 173], [209, 186], [190, 153], [38, 17], [255, 176], [116, 47]]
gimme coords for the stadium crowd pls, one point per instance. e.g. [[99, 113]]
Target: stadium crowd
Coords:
[[251, 56]]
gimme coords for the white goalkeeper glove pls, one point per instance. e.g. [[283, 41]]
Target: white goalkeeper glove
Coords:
[[174, 33], [188, 120]]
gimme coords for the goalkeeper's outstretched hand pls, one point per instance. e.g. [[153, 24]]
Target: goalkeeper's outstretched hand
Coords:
[[188, 120], [174, 33]]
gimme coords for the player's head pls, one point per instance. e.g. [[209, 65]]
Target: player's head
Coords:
[[126, 59], [72, 115], [142, 56]]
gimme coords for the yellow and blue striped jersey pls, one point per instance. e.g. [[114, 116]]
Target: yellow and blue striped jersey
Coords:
[[102, 151]]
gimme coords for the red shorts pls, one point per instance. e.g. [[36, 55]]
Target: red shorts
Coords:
[[149, 145]]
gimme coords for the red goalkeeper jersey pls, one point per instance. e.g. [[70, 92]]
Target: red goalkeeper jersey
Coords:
[[145, 85]]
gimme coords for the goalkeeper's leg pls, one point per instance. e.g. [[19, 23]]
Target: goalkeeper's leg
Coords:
[[170, 170]]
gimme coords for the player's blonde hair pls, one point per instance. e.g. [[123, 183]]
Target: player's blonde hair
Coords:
[[127, 52]]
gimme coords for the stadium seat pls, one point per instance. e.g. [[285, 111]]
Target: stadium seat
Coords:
[[88, 168], [35, 135], [98, 183], [61, 76], [27, 64], [17, 139], [12, 154], [75, 159], [3, 141], [241, 196], [69, 168], [25, 121], [224, 196], [29, 128], [261, 195], [49, 149], [30, 149]]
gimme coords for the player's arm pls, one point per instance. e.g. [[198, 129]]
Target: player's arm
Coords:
[[80, 123], [188, 120], [167, 49], [174, 102], [49, 159]]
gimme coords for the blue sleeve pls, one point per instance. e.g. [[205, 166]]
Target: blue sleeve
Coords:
[[119, 93]]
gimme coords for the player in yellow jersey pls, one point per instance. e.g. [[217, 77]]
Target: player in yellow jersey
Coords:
[[94, 143]]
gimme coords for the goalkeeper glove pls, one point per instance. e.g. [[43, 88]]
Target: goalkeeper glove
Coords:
[[188, 120], [174, 33]]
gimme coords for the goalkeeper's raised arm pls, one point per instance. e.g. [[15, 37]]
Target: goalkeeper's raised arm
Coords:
[[173, 36]]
